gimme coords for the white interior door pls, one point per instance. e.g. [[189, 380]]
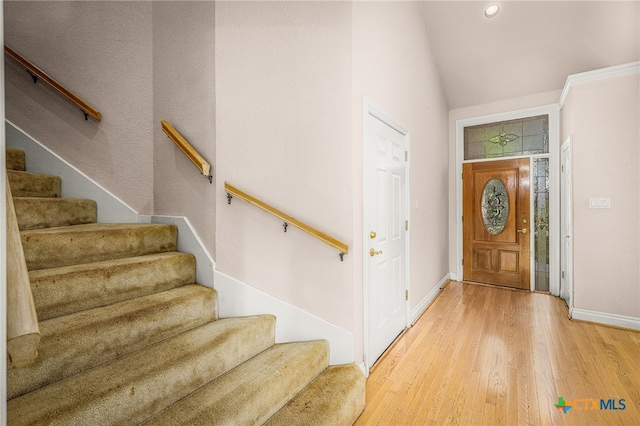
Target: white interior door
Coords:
[[566, 215], [385, 235]]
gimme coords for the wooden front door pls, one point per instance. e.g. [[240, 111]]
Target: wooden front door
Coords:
[[496, 222]]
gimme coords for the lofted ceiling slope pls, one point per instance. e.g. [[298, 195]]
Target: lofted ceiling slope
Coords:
[[530, 47]]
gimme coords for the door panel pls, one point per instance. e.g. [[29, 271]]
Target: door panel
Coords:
[[496, 222], [385, 213]]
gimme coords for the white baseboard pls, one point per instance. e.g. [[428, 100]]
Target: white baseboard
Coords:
[[237, 299], [427, 300], [364, 369], [632, 323], [41, 159]]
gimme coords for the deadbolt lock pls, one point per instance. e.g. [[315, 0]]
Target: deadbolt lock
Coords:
[[372, 252], [372, 234]]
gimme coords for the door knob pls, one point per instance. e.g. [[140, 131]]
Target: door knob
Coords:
[[372, 252], [523, 230], [372, 234]]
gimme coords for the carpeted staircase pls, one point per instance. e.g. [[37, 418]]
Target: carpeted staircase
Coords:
[[128, 337]]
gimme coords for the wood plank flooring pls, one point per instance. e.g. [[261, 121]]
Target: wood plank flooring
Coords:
[[483, 355]]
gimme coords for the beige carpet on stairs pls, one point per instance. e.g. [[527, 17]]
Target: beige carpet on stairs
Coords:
[[104, 334], [42, 212], [240, 398], [64, 290], [129, 337], [335, 397], [134, 388]]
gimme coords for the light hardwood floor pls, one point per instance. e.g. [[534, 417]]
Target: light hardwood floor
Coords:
[[483, 355]]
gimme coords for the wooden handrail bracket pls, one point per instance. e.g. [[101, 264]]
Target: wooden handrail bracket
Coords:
[[232, 191], [187, 149], [37, 73]]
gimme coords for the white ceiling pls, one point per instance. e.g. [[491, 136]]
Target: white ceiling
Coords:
[[529, 47]]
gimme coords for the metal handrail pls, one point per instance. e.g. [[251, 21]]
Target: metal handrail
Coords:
[[232, 191], [37, 73], [187, 149]]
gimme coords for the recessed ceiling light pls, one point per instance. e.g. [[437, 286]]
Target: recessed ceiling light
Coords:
[[491, 11]]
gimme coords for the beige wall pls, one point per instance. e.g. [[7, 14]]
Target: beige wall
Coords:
[[283, 123], [271, 94], [394, 66], [184, 95], [290, 78], [603, 118], [102, 51], [138, 63]]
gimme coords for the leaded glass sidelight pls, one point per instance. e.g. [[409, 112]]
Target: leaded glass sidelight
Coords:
[[541, 221], [494, 206], [511, 138]]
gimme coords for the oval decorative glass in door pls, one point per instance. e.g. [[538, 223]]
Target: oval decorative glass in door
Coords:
[[495, 206]]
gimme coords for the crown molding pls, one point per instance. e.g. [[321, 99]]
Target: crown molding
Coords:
[[595, 75]]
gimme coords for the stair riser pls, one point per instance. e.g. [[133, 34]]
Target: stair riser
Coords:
[[104, 334], [15, 159], [24, 184], [63, 291], [265, 384], [133, 388], [38, 213], [85, 244]]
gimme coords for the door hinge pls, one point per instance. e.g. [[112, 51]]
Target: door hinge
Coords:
[[462, 261], [406, 156], [406, 295], [563, 167], [562, 274], [406, 225]]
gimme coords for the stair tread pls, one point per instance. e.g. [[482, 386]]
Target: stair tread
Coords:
[[106, 333], [252, 392], [68, 289], [336, 397], [27, 184], [135, 387], [46, 212], [77, 244]]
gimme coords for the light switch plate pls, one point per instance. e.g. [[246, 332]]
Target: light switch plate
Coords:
[[599, 203]]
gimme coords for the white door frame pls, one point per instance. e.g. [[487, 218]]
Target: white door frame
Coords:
[[553, 111], [369, 108], [566, 211]]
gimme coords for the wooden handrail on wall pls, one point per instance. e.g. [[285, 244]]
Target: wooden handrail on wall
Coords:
[[23, 332], [232, 191], [188, 150], [37, 73]]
